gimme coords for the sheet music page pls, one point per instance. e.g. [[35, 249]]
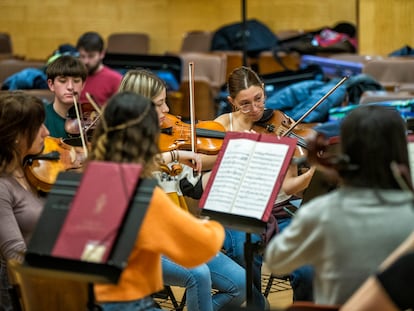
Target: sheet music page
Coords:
[[411, 157], [246, 177]]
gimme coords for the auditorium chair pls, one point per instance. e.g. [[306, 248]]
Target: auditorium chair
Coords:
[[45, 95], [281, 281], [209, 77], [311, 306], [234, 59], [196, 41], [204, 102], [391, 72], [128, 43], [167, 295], [6, 48], [41, 289], [11, 66], [384, 96], [267, 63]]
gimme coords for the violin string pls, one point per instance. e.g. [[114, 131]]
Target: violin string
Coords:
[[94, 105], [301, 140], [85, 150]]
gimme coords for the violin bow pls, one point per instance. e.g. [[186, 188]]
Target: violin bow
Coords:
[[82, 136], [97, 109], [93, 103], [192, 112], [315, 105], [192, 108]]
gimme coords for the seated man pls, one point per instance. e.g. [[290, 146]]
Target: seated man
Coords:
[[102, 82]]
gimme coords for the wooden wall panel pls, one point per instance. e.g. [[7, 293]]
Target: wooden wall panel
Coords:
[[39, 27], [385, 25]]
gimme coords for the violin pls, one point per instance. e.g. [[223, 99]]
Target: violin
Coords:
[[282, 125], [176, 134], [89, 117], [42, 169], [276, 122]]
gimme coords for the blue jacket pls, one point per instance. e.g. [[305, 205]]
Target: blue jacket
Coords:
[[28, 78], [296, 99]]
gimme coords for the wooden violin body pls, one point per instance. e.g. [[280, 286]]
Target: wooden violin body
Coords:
[[57, 156], [276, 122], [176, 134], [89, 117]]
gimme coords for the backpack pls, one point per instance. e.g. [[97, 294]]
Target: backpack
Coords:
[[259, 38]]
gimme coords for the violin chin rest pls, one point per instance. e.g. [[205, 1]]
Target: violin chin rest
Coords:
[[267, 115]]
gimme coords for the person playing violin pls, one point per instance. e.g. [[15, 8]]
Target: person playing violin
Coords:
[[200, 280], [247, 96], [22, 133], [148, 84], [346, 233], [65, 77], [128, 132]]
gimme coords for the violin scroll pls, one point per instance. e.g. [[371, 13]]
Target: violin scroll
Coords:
[[325, 153]]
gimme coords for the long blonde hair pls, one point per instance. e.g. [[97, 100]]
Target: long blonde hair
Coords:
[[143, 82]]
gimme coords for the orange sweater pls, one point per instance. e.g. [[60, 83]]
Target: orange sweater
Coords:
[[168, 230]]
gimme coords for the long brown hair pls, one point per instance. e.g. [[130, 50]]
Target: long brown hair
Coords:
[[21, 116], [373, 137], [241, 79]]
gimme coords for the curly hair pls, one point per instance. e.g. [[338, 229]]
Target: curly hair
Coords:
[[128, 132]]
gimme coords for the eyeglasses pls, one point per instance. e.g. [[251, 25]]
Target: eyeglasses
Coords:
[[247, 107]]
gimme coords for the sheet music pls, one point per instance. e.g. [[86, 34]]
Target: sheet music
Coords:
[[411, 157], [246, 177]]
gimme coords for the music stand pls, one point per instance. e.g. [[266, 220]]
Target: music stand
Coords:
[[248, 225]]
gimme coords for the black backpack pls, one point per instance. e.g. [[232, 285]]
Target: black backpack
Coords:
[[258, 38]]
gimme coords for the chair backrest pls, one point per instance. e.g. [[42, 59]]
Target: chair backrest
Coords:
[[267, 62], [38, 291], [391, 71], [45, 95], [11, 66], [209, 66], [128, 43], [234, 60], [384, 96], [310, 306], [6, 47], [196, 41], [204, 105]]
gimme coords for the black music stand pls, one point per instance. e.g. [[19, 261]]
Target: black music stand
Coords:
[[248, 225], [244, 32]]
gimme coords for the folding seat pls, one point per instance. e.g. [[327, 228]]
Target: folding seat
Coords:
[[196, 41], [128, 43]]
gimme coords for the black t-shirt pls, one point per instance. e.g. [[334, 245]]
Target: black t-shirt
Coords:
[[398, 281]]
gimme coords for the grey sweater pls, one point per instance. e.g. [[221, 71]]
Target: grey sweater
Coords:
[[344, 235]]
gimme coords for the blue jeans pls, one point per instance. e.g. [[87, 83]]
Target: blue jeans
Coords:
[[301, 279], [144, 304], [220, 273], [234, 247]]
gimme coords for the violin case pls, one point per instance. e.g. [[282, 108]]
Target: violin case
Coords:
[[42, 243], [278, 80], [332, 67], [166, 67]]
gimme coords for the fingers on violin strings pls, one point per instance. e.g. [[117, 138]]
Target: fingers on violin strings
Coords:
[[199, 163]]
